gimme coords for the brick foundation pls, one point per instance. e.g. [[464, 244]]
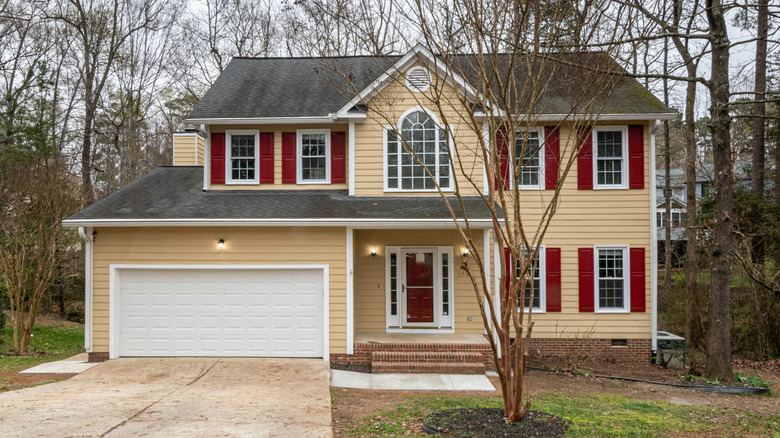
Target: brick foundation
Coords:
[[634, 351], [97, 357]]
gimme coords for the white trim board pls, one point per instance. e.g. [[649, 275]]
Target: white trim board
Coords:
[[113, 296]]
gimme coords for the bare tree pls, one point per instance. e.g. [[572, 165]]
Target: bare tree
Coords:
[[102, 27], [511, 75]]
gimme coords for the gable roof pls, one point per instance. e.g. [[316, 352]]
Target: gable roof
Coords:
[[286, 87], [324, 87], [174, 195]]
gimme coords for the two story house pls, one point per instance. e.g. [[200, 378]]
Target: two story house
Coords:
[[293, 224]]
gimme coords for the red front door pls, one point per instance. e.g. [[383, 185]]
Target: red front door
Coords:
[[419, 287]]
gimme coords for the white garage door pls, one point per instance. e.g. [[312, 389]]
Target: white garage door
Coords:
[[220, 312]]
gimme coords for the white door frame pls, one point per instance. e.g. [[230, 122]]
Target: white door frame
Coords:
[[438, 320], [113, 296]]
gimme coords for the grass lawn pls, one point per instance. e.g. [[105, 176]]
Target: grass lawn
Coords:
[[50, 342], [590, 414]]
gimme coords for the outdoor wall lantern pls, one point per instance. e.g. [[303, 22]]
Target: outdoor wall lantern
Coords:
[[221, 243], [373, 252], [465, 252]]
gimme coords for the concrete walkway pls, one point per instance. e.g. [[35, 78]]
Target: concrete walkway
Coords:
[[410, 382], [72, 365], [181, 397]]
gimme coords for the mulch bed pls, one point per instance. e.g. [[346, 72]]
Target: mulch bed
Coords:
[[489, 423]]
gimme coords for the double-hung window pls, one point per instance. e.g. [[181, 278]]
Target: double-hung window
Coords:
[[610, 157], [536, 277], [243, 149], [611, 279], [529, 154], [313, 156], [417, 155]]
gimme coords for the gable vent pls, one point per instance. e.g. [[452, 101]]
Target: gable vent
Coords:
[[418, 79]]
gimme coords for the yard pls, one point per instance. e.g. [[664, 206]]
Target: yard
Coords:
[[594, 407], [53, 339]]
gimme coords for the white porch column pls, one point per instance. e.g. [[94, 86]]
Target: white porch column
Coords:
[[350, 290]]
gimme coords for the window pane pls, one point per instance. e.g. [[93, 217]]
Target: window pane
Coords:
[[611, 281], [609, 159], [535, 279], [528, 149], [242, 157], [313, 157], [424, 145], [445, 284], [393, 285]]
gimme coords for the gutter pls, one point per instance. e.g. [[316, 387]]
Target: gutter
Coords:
[[329, 118], [87, 236], [335, 222]]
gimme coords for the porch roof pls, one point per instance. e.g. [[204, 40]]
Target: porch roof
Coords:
[[174, 194]]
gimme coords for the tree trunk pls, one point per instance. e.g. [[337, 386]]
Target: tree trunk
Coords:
[[759, 124], [667, 223], [719, 333], [87, 192], [693, 328]]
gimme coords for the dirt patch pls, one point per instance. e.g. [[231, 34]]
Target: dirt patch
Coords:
[[11, 380], [489, 423]]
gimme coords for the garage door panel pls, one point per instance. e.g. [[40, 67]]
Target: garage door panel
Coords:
[[220, 312]]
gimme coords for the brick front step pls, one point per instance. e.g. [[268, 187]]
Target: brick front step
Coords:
[[427, 356], [382, 367]]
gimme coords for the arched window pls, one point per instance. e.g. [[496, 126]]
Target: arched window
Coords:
[[422, 145]]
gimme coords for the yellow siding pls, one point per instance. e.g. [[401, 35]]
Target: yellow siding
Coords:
[[369, 282], [194, 245], [187, 149], [386, 108], [586, 218], [201, 151], [278, 130]]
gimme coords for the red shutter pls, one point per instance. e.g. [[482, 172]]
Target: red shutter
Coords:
[[553, 285], [218, 158], [637, 279], [267, 157], [636, 157], [510, 269], [585, 160], [552, 156], [289, 159], [586, 279], [338, 149], [504, 175]]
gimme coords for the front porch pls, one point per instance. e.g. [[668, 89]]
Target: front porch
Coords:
[[417, 353]]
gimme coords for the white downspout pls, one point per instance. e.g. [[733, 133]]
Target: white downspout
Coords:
[[351, 145], [86, 236], [653, 244], [206, 156]]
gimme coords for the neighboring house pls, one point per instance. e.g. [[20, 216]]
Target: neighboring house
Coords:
[[293, 225]]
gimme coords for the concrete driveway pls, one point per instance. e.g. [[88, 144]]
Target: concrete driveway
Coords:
[[174, 397]]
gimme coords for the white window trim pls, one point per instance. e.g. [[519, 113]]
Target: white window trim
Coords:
[[542, 145], [441, 324], [624, 176], [542, 291], [229, 159], [626, 279], [299, 156], [397, 129]]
